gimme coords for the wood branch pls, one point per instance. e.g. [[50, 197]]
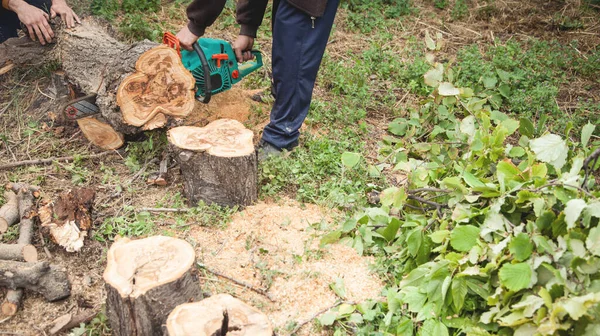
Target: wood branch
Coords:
[[18, 252], [51, 160], [218, 315], [9, 213], [141, 273], [12, 301], [218, 163], [164, 209], [317, 314], [100, 134], [42, 277], [238, 282]]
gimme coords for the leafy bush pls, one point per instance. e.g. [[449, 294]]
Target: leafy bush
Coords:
[[495, 231]]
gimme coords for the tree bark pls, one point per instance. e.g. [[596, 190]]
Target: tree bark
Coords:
[[218, 163], [9, 213], [217, 315], [41, 277], [18, 252], [145, 280]]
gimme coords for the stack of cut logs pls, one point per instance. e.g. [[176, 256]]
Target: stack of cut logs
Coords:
[[152, 289], [19, 266]]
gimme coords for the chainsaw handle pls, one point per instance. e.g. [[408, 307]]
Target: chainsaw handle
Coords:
[[206, 69], [247, 67]]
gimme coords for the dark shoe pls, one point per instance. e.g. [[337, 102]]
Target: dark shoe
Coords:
[[266, 151], [264, 97]]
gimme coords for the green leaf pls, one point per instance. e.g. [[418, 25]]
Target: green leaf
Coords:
[[545, 220], [578, 306], [490, 82], [586, 133], [526, 127], [398, 127], [573, 211], [429, 42], [511, 125], [504, 90], [438, 237], [350, 160], [394, 197], [389, 233], [464, 237], [433, 327], [593, 241], [330, 238], [415, 277], [551, 149], [434, 76], [459, 293], [521, 247], [515, 276], [327, 319], [529, 305], [338, 287], [414, 299], [414, 240], [447, 89]]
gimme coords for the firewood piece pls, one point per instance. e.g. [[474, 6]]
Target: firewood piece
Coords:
[[218, 162], [100, 134], [207, 318], [49, 161], [69, 217], [161, 84], [68, 321], [160, 178], [42, 277], [18, 252], [9, 213], [145, 280], [12, 301]]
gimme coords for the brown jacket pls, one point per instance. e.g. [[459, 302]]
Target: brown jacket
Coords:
[[203, 13]]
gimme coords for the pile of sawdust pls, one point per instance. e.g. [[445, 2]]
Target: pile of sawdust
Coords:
[[276, 248]]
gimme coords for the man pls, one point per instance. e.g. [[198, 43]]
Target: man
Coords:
[[34, 15], [300, 32]]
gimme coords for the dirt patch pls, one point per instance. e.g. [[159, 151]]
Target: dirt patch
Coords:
[[275, 247]]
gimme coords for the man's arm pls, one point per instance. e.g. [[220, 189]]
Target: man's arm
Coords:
[[201, 14], [250, 14], [35, 19], [67, 15]]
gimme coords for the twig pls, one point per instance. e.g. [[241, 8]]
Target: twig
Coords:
[[238, 282], [593, 159], [49, 161], [422, 200], [164, 209], [414, 191], [314, 316], [48, 254], [141, 171], [564, 185]]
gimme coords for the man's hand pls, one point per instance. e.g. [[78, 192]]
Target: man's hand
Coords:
[[186, 38], [242, 47], [35, 19], [68, 16]]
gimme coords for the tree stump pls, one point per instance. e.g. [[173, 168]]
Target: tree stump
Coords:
[[145, 280], [220, 314], [132, 96], [218, 162]]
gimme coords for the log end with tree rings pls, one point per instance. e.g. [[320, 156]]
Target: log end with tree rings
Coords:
[[161, 84], [140, 273], [100, 133], [219, 314], [218, 162]]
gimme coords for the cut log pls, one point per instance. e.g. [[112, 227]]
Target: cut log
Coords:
[[18, 252], [160, 178], [100, 134], [9, 213], [42, 277], [69, 217], [160, 85], [157, 91], [145, 280], [218, 163], [220, 314], [12, 301]]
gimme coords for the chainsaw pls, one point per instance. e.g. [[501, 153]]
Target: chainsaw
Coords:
[[212, 63]]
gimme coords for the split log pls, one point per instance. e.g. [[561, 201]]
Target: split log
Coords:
[[139, 87], [18, 252], [218, 162], [9, 213], [145, 280], [42, 277], [69, 217], [218, 315]]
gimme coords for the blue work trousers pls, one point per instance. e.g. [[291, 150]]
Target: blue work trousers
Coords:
[[298, 46]]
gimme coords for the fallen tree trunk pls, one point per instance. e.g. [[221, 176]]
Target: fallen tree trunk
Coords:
[[218, 163], [145, 280], [18, 252], [42, 277], [218, 315], [139, 87], [9, 213]]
